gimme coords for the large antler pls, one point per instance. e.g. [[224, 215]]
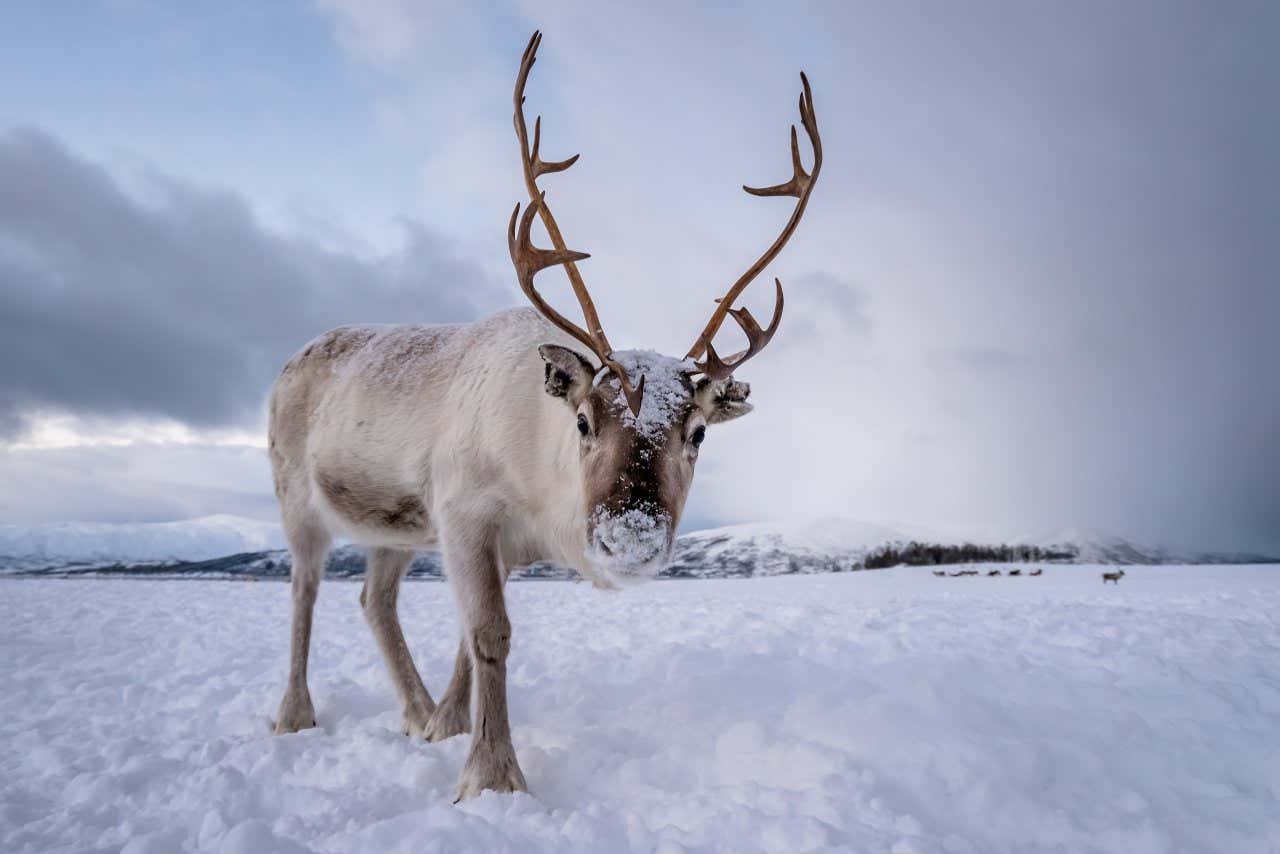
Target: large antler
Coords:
[[529, 259], [800, 187]]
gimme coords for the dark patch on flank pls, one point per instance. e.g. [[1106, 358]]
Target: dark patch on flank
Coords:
[[366, 504]]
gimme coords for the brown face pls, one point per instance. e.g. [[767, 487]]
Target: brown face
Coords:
[[636, 469]]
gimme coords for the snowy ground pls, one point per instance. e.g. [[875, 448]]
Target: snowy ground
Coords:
[[875, 711]]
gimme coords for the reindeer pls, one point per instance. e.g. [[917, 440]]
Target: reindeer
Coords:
[[501, 443], [1036, 572], [993, 573], [1015, 572], [939, 573], [1113, 577]]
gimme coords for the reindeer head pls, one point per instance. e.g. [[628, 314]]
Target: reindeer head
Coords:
[[636, 467], [640, 417]]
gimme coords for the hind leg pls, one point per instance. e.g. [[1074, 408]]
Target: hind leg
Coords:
[[309, 545], [453, 715], [378, 599]]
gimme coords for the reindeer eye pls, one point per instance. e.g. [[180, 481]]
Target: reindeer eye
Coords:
[[699, 433], [583, 428]]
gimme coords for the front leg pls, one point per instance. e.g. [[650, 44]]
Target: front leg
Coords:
[[474, 570]]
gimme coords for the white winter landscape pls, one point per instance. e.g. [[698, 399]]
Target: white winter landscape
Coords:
[[806, 324], [874, 711]]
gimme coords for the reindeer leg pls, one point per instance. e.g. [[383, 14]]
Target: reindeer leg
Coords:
[[309, 546], [378, 599], [475, 572], [453, 715]]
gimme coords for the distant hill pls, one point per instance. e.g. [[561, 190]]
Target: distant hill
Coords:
[[58, 544], [232, 547]]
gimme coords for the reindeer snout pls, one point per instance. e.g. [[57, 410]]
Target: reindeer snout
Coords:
[[632, 545]]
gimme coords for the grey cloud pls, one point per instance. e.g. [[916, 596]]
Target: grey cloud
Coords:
[[1049, 231], [822, 297], [184, 308]]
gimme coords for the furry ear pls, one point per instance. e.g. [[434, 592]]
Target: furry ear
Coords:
[[722, 400], [567, 373]]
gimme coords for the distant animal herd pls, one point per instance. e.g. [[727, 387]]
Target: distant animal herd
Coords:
[[1113, 577]]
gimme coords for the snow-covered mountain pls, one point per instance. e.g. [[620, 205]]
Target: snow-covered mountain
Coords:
[[230, 547], [818, 545], [70, 543]]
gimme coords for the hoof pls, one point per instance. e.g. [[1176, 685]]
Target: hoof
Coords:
[[449, 719], [490, 767], [415, 720], [296, 713]]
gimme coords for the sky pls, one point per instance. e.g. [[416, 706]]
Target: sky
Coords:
[[1037, 287]]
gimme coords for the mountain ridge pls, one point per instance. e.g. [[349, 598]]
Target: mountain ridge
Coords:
[[235, 547]]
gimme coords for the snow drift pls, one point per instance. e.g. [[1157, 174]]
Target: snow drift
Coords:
[[885, 711]]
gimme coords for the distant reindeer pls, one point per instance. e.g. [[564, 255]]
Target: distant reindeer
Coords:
[[1113, 577], [1015, 572], [993, 573], [1036, 572], [955, 574], [939, 573], [970, 572], [500, 443]]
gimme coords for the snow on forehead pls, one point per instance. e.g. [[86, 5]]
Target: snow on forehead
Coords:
[[666, 388]]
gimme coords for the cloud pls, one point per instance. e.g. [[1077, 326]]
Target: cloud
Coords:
[[140, 482], [379, 31], [184, 307], [822, 303], [392, 35], [1035, 287]]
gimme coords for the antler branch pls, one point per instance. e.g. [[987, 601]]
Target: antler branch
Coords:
[[800, 187], [528, 259]]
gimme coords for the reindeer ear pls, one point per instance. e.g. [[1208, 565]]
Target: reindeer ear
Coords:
[[722, 400], [567, 373]]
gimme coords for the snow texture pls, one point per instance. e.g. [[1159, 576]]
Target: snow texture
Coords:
[[667, 389], [886, 711], [632, 538]]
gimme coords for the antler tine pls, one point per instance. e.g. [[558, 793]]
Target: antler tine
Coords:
[[800, 187], [799, 180], [540, 166], [529, 259], [719, 369]]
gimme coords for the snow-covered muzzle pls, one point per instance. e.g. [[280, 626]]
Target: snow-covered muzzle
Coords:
[[630, 546]]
